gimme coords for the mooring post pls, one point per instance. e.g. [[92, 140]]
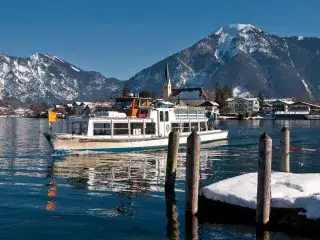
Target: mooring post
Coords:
[[285, 150], [192, 173], [264, 180], [172, 160]]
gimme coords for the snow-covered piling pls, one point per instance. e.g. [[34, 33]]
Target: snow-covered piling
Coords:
[[278, 201], [264, 175]]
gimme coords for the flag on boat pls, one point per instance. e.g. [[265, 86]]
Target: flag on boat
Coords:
[[52, 116]]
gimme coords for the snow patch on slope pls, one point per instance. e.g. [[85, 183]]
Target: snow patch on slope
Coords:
[[74, 68], [240, 37], [306, 86]]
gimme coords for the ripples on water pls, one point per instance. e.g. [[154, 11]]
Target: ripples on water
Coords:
[[121, 196]]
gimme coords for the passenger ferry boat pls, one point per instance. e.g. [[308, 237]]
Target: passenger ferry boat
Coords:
[[147, 128]]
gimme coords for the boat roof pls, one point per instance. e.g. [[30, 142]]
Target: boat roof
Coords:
[[129, 97]]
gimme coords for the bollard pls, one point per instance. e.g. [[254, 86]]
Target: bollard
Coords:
[[264, 180], [285, 150], [172, 159], [192, 173]]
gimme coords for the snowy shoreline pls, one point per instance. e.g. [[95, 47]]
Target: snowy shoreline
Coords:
[[288, 190]]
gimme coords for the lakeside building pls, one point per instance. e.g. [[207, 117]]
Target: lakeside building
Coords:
[[82, 108], [243, 105]]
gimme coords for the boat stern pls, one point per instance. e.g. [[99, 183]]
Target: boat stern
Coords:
[[50, 138]]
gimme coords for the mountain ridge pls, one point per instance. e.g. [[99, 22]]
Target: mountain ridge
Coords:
[[243, 56], [46, 77]]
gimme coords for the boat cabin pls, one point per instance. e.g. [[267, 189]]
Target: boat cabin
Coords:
[[149, 122], [131, 104]]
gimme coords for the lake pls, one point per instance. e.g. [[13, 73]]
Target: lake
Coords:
[[121, 196]]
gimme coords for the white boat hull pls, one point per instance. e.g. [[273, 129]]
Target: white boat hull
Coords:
[[74, 143]]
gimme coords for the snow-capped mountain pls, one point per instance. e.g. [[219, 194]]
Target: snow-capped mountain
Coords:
[[245, 57], [44, 77]]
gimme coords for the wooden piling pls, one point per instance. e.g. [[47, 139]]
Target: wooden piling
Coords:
[[285, 150], [264, 180], [192, 173], [172, 160], [262, 235], [191, 227], [172, 217]]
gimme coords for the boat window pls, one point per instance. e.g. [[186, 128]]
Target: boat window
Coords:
[[144, 102], [175, 127], [79, 128], [120, 129], [185, 127], [136, 128], [203, 126], [101, 129], [123, 105], [167, 116], [136, 103], [194, 126], [161, 116], [150, 128], [143, 112]]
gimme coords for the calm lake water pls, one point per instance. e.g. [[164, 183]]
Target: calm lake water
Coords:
[[121, 196]]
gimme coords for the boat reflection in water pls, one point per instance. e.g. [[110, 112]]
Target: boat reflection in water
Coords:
[[132, 173]]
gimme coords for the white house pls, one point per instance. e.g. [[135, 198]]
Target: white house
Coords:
[[210, 106], [243, 105]]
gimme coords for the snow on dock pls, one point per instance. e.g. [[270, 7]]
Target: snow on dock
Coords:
[[288, 190]]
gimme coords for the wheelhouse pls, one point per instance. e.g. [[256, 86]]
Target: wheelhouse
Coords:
[[131, 105]]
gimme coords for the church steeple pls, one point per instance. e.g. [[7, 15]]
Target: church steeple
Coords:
[[166, 90], [166, 75]]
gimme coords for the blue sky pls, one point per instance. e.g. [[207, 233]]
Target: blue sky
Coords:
[[119, 38]]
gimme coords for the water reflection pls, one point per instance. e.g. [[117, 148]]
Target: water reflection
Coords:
[[88, 189], [137, 173]]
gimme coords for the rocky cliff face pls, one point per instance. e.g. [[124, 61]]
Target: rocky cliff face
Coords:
[[43, 77], [245, 57]]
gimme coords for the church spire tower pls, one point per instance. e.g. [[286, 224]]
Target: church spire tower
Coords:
[[167, 88]]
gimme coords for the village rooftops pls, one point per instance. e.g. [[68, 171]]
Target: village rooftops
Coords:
[[271, 100], [305, 103], [208, 103], [177, 91], [248, 99], [131, 97], [267, 105], [282, 101]]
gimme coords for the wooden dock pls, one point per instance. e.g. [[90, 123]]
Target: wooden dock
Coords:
[[263, 214]]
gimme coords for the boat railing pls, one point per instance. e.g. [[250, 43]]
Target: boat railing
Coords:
[[291, 112], [188, 113]]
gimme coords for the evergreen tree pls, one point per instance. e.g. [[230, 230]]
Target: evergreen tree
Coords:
[[261, 98], [222, 93], [145, 94], [218, 93], [126, 90]]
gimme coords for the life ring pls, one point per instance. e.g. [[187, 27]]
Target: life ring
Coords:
[[168, 127]]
